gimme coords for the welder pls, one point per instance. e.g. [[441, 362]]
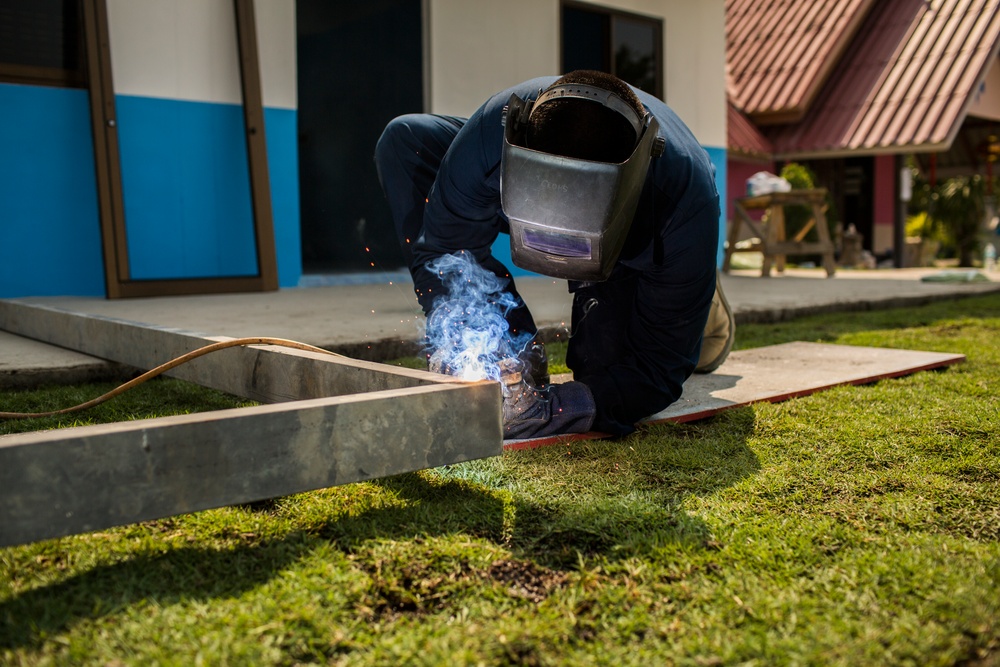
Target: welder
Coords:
[[594, 182]]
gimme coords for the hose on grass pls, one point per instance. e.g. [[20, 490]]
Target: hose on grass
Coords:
[[163, 368]]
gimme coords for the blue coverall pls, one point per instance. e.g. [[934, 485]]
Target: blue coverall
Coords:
[[635, 337]]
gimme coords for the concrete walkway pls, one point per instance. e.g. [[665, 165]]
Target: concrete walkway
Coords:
[[382, 320]]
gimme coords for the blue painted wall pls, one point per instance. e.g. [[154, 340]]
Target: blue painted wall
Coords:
[[187, 197], [187, 189], [718, 158], [281, 126], [50, 236], [186, 185]]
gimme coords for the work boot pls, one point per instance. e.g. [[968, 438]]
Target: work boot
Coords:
[[720, 331]]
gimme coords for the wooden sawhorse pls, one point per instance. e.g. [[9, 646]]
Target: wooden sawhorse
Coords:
[[771, 232]]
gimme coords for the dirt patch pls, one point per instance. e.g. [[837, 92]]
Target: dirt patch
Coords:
[[419, 588], [525, 579]]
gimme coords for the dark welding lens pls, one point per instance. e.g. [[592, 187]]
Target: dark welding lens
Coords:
[[563, 245]]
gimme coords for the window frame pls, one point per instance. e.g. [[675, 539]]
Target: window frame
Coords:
[[57, 77], [614, 13]]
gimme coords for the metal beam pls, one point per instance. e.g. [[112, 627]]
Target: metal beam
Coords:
[[362, 420], [57, 483], [75, 480], [265, 374]]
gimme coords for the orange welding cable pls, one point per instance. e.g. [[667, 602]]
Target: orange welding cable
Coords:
[[163, 368]]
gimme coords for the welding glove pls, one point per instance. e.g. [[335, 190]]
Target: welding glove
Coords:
[[536, 362], [532, 412]]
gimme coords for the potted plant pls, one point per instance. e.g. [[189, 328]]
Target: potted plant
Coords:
[[955, 212]]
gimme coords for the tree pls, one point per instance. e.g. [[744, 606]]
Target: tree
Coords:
[[958, 206]]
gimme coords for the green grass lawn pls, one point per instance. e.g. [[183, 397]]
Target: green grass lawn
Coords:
[[856, 526]]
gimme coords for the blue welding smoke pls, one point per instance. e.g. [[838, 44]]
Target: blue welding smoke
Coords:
[[467, 331]]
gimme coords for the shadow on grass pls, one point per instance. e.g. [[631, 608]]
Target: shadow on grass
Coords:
[[611, 499], [172, 576], [180, 574], [630, 504]]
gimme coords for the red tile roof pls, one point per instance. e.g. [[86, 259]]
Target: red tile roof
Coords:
[[779, 52], [905, 83], [744, 139]]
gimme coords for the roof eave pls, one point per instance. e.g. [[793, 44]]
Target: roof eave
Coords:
[[783, 117], [745, 156], [833, 153]]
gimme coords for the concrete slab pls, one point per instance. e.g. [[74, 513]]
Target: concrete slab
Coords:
[[799, 292], [776, 373], [381, 320], [26, 363], [337, 315]]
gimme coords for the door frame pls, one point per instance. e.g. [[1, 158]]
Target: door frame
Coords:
[[118, 280]]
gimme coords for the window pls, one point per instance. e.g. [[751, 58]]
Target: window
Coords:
[[41, 42], [626, 45]]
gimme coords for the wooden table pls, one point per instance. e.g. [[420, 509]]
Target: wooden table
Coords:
[[770, 232]]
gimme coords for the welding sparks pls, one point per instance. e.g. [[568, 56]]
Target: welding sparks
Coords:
[[467, 332]]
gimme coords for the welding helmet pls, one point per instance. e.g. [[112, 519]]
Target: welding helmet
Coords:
[[569, 217]]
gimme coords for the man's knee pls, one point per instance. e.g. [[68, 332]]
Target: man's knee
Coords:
[[416, 141], [397, 136]]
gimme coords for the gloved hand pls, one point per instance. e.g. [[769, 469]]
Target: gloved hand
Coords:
[[437, 363], [536, 363], [530, 412], [533, 363]]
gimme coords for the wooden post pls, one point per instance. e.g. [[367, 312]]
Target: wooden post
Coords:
[[773, 242]]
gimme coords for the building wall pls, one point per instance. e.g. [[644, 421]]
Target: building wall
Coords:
[[478, 48], [175, 69], [183, 156], [986, 101], [884, 198], [50, 234]]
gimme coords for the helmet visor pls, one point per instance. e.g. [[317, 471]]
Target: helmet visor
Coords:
[[569, 217]]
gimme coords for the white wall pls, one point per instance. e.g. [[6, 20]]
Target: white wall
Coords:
[[276, 44], [695, 63], [478, 47], [986, 100], [187, 50]]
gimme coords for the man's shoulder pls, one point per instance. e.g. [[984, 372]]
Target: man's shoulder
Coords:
[[531, 86], [670, 122], [681, 144], [525, 90]]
